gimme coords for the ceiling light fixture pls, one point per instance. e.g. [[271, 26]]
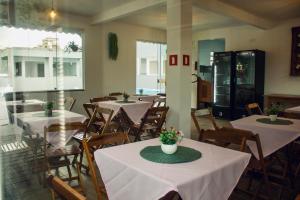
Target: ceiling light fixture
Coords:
[[52, 13]]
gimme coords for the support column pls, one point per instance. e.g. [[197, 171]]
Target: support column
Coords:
[[178, 77]]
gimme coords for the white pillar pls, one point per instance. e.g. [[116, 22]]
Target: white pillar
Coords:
[[179, 81]]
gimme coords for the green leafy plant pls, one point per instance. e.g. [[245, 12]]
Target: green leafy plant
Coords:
[[125, 96], [72, 47], [49, 106], [274, 109], [113, 49], [170, 137], [141, 91]]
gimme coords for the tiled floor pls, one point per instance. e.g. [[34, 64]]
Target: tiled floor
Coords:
[[17, 182]]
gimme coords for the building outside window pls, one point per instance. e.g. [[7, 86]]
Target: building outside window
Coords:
[[18, 68]]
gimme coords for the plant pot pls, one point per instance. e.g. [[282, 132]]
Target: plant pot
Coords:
[[273, 118], [48, 113], [125, 99], [169, 148]]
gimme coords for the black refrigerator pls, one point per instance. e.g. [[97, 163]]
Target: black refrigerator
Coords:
[[238, 81]]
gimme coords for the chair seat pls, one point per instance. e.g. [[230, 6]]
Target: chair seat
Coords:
[[79, 136], [65, 151]]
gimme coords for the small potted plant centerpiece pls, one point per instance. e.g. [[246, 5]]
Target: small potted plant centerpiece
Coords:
[[48, 109], [273, 111], [141, 91], [169, 139], [125, 97]]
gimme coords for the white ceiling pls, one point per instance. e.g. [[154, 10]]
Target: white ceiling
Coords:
[[272, 10]]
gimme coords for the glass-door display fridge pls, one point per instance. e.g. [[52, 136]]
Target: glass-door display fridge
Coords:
[[238, 81]]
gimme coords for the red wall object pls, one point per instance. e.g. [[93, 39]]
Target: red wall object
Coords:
[[185, 60], [173, 60]]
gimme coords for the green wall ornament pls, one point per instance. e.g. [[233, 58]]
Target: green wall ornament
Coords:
[[113, 49]]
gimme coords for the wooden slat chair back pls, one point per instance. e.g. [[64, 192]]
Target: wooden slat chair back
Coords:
[[153, 121], [62, 189], [226, 137], [124, 121], [159, 102], [115, 94], [53, 156], [254, 108], [203, 113], [99, 99], [93, 143], [98, 119], [69, 103]]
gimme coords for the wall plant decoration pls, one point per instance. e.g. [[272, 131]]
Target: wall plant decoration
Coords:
[[113, 49]]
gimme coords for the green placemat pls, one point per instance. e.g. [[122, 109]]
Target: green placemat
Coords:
[[182, 155], [125, 101], [277, 122], [42, 114]]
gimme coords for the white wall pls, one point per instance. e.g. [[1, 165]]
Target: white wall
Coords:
[[277, 44]]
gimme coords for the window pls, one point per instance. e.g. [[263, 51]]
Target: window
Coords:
[[4, 66], [34, 69], [18, 69], [44, 60], [143, 66], [150, 66]]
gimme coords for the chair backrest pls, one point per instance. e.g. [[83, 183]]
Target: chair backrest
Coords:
[[116, 94], [61, 127], [62, 189], [99, 141], [106, 113], [99, 99], [159, 102], [253, 108], [290, 115], [155, 116], [225, 136], [69, 103], [203, 113]]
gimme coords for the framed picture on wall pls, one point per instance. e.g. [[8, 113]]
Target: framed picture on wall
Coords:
[[295, 61]]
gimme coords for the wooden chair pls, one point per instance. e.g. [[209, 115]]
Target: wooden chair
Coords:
[[90, 145], [290, 115], [298, 197], [206, 114], [152, 122], [69, 103], [236, 139], [254, 109], [62, 190], [57, 158], [159, 102], [103, 124], [115, 94], [99, 99]]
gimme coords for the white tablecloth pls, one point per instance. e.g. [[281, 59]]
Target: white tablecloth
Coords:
[[148, 98], [37, 124], [134, 110], [127, 175], [27, 102], [272, 137], [293, 110]]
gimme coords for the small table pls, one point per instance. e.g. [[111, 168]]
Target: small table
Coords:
[[37, 121], [134, 110], [127, 175], [272, 137], [293, 110]]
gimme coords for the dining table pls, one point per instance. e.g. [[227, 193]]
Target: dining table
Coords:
[[38, 120], [295, 110], [273, 135], [135, 109], [128, 175], [145, 97]]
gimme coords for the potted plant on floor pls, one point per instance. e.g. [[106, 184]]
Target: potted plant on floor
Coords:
[[169, 140], [49, 108], [273, 111], [141, 91], [125, 97]]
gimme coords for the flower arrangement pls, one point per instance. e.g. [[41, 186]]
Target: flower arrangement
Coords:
[[48, 108], [274, 109], [170, 137], [125, 96]]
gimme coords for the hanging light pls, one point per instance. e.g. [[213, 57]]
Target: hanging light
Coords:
[[52, 13]]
